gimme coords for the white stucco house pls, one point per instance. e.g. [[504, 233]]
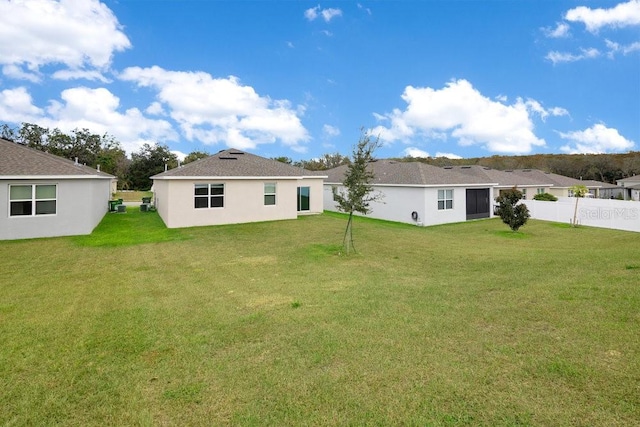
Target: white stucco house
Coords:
[[631, 187], [42, 195], [232, 187], [420, 194]]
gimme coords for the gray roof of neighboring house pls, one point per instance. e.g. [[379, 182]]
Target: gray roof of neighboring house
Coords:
[[592, 183], [635, 178], [392, 172], [548, 177], [236, 163], [17, 160], [503, 178]]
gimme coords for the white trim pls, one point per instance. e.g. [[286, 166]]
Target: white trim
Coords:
[[220, 178]]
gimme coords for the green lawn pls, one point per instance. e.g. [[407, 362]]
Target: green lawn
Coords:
[[267, 325]]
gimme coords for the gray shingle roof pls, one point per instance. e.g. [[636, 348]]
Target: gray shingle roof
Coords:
[[503, 178], [236, 163], [391, 172], [548, 177], [17, 160]]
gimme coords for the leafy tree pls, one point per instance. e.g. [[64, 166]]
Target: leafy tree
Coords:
[[545, 197], [578, 191], [148, 161], [512, 213], [195, 155], [8, 133], [357, 192], [33, 136], [283, 159], [326, 161]]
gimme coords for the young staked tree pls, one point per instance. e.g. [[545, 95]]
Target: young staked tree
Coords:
[[514, 214], [579, 191], [357, 192]]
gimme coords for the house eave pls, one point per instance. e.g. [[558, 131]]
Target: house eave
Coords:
[[52, 177], [225, 178]]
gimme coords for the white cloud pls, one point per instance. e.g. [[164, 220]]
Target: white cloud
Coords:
[[615, 48], [366, 9], [330, 131], [179, 154], [535, 107], [621, 15], [561, 30], [326, 14], [448, 155], [15, 72], [95, 109], [214, 110], [16, 106], [459, 111], [81, 35], [559, 57], [596, 139], [414, 152]]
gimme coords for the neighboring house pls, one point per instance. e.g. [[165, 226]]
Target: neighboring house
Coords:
[[604, 190], [558, 185], [233, 187], [421, 194], [630, 187], [42, 195]]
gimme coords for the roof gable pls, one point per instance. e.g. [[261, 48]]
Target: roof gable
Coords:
[[235, 163], [17, 160]]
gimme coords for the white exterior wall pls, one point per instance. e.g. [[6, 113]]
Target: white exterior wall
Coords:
[[400, 201], [605, 213], [80, 206], [243, 201]]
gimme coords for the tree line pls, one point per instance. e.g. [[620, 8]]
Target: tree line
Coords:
[[133, 173]]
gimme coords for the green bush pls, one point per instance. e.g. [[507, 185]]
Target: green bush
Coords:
[[545, 197], [512, 213]]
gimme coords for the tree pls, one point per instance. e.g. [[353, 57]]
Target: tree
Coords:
[[578, 191], [195, 155], [357, 192], [148, 161], [514, 214], [8, 133], [283, 159]]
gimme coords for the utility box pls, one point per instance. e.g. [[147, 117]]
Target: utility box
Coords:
[[144, 207], [112, 205], [122, 209]]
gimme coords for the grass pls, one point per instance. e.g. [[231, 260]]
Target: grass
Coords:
[[266, 324], [132, 196]]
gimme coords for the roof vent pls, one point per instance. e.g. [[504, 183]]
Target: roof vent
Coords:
[[466, 167], [448, 167], [235, 152], [227, 158], [526, 170]]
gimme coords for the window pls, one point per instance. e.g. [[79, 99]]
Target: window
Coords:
[[269, 193], [540, 190], [208, 196], [303, 198], [445, 199], [30, 200], [524, 194]]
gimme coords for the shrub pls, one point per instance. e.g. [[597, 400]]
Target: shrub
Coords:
[[545, 197], [514, 214]]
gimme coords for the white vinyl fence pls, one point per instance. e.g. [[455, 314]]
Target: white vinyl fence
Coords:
[[605, 213]]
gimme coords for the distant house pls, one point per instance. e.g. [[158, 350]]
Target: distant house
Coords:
[[558, 185], [42, 195], [420, 194], [232, 187], [630, 187]]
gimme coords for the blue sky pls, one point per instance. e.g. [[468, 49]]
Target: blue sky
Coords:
[[302, 78]]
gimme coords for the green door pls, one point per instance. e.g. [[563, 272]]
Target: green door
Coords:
[[303, 198]]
